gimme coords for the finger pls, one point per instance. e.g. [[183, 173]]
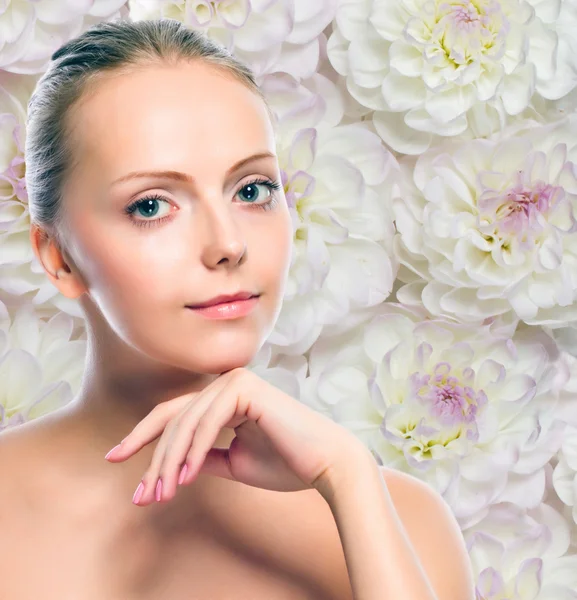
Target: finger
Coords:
[[149, 428], [172, 456], [150, 477], [227, 410], [153, 424]]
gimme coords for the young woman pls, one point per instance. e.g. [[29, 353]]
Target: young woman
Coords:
[[156, 201]]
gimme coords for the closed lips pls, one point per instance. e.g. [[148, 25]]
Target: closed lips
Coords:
[[223, 299]]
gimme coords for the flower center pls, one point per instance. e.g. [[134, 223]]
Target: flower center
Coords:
[[446, 397], [465, 16], [520, 211], [467, 31], [522, 202]]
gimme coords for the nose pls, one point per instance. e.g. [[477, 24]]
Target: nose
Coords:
[[223, 241]]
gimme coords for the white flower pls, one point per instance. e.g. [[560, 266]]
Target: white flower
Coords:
[[436, 67], [41, 365], [546, 111], [20, 271], [467, 410], [31, 30], [269, 35], [566, 338], [287, 373], [564, 477], [565, 472], [518, 554], [337, 181], [489, 226]]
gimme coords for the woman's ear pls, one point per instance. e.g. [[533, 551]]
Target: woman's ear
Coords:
[[60, 269]]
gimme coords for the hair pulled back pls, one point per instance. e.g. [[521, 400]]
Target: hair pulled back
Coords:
[[107, 49]]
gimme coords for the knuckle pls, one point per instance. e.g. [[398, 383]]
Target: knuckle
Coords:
[[158, 409], [245, 376], [240, 372]]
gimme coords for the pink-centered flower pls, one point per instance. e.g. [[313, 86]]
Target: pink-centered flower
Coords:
[[489, 226], [436, 68], [468, 408]]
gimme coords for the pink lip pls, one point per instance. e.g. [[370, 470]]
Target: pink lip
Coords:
[[230, 309], [223, 298]]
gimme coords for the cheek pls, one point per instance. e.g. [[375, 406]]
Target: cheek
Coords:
[[274, 250], [286, 245], [123, 272]]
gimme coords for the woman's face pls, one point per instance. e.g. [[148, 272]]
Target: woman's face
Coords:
[[148, 246]]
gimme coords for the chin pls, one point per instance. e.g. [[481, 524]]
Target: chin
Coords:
[[220, 365], [218, 368], [213, 358]]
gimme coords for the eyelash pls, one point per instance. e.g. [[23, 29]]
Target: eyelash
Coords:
[[273, 186]]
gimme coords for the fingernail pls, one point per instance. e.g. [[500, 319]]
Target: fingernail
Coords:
[[159, 490], [113, 449], [182, 474], [138, 493]]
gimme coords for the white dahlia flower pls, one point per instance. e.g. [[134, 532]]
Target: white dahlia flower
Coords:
[[31, 30], [489, 226], [269, 35], [287, 373], [522, 554], [466, 408], [41, 366], [566, 338], [337, 181], [565, 472], [564, 477], [21, 274], [432, 67]]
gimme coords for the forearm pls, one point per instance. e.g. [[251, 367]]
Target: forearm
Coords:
[[381, 562]]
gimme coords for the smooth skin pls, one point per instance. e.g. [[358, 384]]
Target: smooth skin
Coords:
[[280, 443], [71, 516]]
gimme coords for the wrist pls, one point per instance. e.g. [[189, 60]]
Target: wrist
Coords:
[[354, 462]]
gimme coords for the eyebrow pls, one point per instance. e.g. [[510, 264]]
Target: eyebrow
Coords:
[[185, 177]]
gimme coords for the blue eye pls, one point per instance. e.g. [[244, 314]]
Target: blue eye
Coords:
[[251, 192], [147, 207]]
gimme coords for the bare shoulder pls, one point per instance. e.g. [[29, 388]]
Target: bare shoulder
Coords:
[[22, 441], [434, 533], [24, 457], [16, 446], [19, 451]]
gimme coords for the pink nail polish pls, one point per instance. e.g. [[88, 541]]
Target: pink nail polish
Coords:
[[159, 490], [112, 451], [138, 493], [182, 474]]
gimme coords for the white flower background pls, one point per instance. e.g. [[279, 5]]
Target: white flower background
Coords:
[[429, 156]]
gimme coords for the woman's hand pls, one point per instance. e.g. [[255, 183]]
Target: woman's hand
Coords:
[[280, 443]]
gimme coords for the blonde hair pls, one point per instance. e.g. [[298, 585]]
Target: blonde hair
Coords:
[[108, 48]]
